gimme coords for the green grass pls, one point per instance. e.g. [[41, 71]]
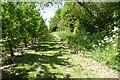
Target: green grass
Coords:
[[61, 35], [107, 55], [104, 53], [54, 62], [51, 60]]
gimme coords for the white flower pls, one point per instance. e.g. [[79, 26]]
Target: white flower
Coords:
[[100, 44], [96, 26], [102, 41], [93, 45], [106, 38], [116, 54], [114, 36], [110, 40], [114, 44], [115, 29]]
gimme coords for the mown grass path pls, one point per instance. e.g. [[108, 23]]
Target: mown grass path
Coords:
[[54, 60]]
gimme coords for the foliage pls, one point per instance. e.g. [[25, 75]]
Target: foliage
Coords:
[[107, 55], [93, 26], [55, 20], [68, 14], [90, 28], [48, 60], [61, 36], [21, 23], [92, 17]]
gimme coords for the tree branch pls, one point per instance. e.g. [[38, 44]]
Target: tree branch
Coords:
[[82, 4]]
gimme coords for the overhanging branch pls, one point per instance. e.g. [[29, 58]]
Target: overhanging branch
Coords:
[[83, 5]]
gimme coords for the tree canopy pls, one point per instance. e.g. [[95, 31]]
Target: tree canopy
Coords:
[[21, 22]]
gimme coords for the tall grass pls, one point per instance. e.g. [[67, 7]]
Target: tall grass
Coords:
[[98, 46], [107, 55]]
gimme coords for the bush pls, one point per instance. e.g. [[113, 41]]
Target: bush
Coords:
[[98, 46], [107, 55]]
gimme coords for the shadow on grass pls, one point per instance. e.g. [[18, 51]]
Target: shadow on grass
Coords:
[[40, 60], [44, 48], [47, 47]]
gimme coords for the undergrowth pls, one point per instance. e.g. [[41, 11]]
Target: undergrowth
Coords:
[[98, 46]]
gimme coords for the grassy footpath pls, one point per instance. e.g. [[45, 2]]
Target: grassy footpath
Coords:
[[53, 60], [48, 60], [106, 53]]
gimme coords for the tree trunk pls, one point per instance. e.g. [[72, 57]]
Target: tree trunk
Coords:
[[25, 42], [32, 41], [10, 47]]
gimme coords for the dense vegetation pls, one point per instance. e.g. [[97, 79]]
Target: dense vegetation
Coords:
[[77, 31], [21, 23], [91, 27]]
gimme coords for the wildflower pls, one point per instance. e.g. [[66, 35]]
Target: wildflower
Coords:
[[114, 44], [115, 29]]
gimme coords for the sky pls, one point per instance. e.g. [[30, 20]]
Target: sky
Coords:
[[49, 12]]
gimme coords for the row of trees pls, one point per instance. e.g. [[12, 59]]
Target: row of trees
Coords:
[[93, 20], [92, 17], [91, 27], [21, 23]]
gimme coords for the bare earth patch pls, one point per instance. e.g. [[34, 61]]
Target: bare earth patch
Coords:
[[101, 70]]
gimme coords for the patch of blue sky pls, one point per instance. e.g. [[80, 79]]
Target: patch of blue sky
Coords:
[[49, 12]]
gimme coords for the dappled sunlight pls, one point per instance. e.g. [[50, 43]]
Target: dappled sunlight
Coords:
[[52, 63], [39, 63], [82, 45]]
